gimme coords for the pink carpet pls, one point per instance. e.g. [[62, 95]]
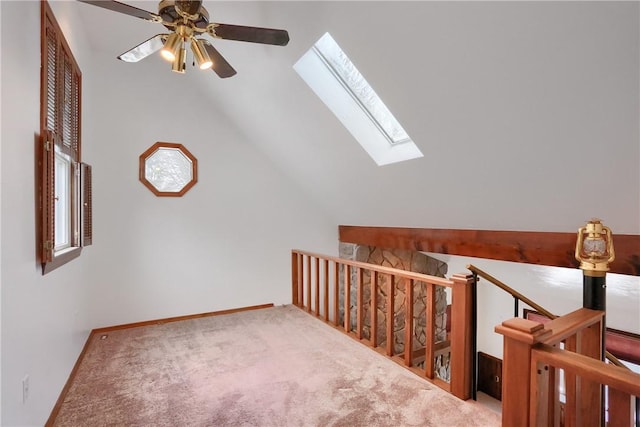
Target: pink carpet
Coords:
[[270, 367]]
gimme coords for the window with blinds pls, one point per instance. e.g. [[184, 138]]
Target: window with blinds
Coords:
[[65, 184]]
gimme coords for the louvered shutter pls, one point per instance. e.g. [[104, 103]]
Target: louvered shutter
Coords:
[[60, 126], [49, 81], [50, 126], [47, 195], [86, 205], [69, 105]]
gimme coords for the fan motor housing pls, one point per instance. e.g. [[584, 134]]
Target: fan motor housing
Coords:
[[168, 13]]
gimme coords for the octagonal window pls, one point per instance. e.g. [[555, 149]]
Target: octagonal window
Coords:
[[168, 169]]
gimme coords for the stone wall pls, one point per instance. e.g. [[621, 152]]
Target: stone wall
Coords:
[[400, 259]]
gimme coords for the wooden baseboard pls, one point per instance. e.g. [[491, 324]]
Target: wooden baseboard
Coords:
[[72, 375], [67, 385], [178, 318]]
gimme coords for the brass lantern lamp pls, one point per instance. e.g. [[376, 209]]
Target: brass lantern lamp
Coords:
[[594, 250]]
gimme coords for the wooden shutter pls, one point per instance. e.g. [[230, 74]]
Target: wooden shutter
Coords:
[[60, 128], [86, 206], [47, 196], [69, 105], [49, 124], [50, 75]]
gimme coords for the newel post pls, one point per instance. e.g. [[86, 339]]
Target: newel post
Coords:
[[520, 336], [461, 335]]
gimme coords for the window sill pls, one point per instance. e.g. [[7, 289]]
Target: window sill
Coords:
[[60, 259]]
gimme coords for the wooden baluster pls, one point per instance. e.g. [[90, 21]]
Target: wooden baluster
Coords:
[[359, 308], [408, 322], [430, 331], [317, 284], [294, 278], [390, 315], [554, 398], [570, 383], [309, 283], [542, 394], [336, 293], [520, 335], [301, 281], [326, 290], [347, 298], [374, 308], [620, 408]]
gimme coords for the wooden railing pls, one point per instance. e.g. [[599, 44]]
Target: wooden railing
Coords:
[[316, 289], [531, 374], [517, 297]]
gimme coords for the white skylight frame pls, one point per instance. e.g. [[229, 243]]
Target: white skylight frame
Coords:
[[338, 83]]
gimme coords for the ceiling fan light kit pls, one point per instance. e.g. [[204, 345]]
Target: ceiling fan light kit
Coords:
[[201, 55], [179, 62], [171, 47], [185, 19]]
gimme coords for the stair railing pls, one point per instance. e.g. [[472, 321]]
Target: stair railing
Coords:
[[532, 364], [517, 296], [316, 289]]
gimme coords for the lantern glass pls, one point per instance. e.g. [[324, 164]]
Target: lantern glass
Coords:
[[594, 246]]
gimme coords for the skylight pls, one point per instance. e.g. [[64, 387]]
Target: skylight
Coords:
[[339, 84]]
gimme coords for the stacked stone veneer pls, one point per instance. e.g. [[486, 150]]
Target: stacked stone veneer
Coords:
[[401, 259]]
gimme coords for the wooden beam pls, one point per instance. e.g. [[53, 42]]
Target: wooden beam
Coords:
[[531, 247]]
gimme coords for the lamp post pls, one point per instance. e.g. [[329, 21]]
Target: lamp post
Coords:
[[594, 250]]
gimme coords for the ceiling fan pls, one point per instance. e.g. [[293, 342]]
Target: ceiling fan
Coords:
[[186, 21]]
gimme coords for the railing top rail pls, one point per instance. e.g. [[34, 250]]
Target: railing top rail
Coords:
[[531, 304], [589, 368], [440, 281], [568, 325], [511, 291]]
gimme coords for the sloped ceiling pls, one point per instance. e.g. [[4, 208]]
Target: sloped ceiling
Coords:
[[527, 112]]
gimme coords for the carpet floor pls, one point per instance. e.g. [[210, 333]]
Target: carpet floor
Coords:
[[269, 367]]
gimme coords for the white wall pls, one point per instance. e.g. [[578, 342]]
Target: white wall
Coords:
[[526, 113], [225, 244], [0, 227], [45, 319]]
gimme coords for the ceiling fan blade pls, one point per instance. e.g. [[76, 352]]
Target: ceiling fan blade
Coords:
[[220, 65], [251, 34], [124, 8], [144, 49]]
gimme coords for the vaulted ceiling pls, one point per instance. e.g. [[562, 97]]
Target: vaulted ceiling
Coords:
[[525, 111]]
